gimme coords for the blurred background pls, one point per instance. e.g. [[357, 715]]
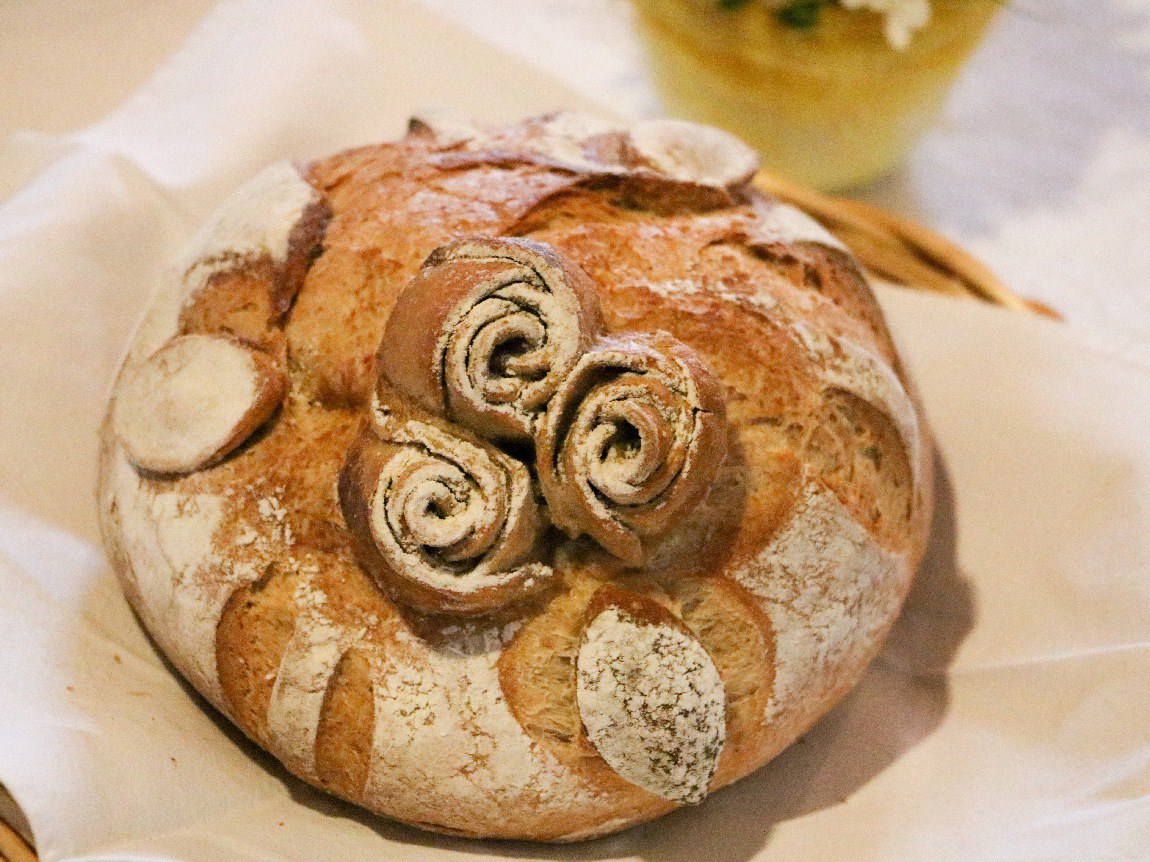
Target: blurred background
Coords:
[[1037, 159], [1018, 128]]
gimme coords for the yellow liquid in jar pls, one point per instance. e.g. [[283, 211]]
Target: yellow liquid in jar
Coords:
[[833, 106]]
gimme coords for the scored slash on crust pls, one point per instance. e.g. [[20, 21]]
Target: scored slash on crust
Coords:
[[258, 221], [676, 150], [197, 398]]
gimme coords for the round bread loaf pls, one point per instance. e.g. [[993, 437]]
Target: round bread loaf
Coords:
[[523, 482]]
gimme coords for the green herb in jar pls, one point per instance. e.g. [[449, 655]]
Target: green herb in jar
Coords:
[[801, 14]]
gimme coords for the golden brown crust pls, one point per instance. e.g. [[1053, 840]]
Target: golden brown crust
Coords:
[[470, 725]]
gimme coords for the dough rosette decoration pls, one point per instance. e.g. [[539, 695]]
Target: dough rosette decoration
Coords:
[[501, 340], [632, 440], [487, 330], [442, 520]]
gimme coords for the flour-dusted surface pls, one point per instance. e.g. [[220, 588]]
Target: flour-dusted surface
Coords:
[[847, 365], [831, 592], [790, 224], [694, 153], [652, 702], [188, 403], [256, 222], [168, 539], [444, 736], [532, 718], [305, 672]]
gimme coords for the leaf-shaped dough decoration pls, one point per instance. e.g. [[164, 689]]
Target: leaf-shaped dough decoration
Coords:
[[652, 702]]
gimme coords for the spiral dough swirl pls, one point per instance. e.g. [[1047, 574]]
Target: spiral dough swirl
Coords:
[[445, 522], [486, 331], [633, 437]]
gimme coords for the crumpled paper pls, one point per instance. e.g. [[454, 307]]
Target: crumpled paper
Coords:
[[1006, 719]]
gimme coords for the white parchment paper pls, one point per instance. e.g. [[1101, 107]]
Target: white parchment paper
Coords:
[[1007, 718]]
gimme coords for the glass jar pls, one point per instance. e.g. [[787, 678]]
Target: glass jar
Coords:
[[825, 98]]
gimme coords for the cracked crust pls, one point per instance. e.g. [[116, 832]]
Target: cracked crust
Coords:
[[788, 573]]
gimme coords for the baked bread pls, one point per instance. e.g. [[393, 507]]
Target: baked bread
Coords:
[[523, 482]]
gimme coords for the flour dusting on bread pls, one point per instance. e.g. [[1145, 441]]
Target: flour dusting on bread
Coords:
[[168, 539], [784, 223], [830, 592], [302, 681], [256, 221], [694, 153], [653, 704], [848, 366], [445, 741], [335, 621], [193, 401]]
